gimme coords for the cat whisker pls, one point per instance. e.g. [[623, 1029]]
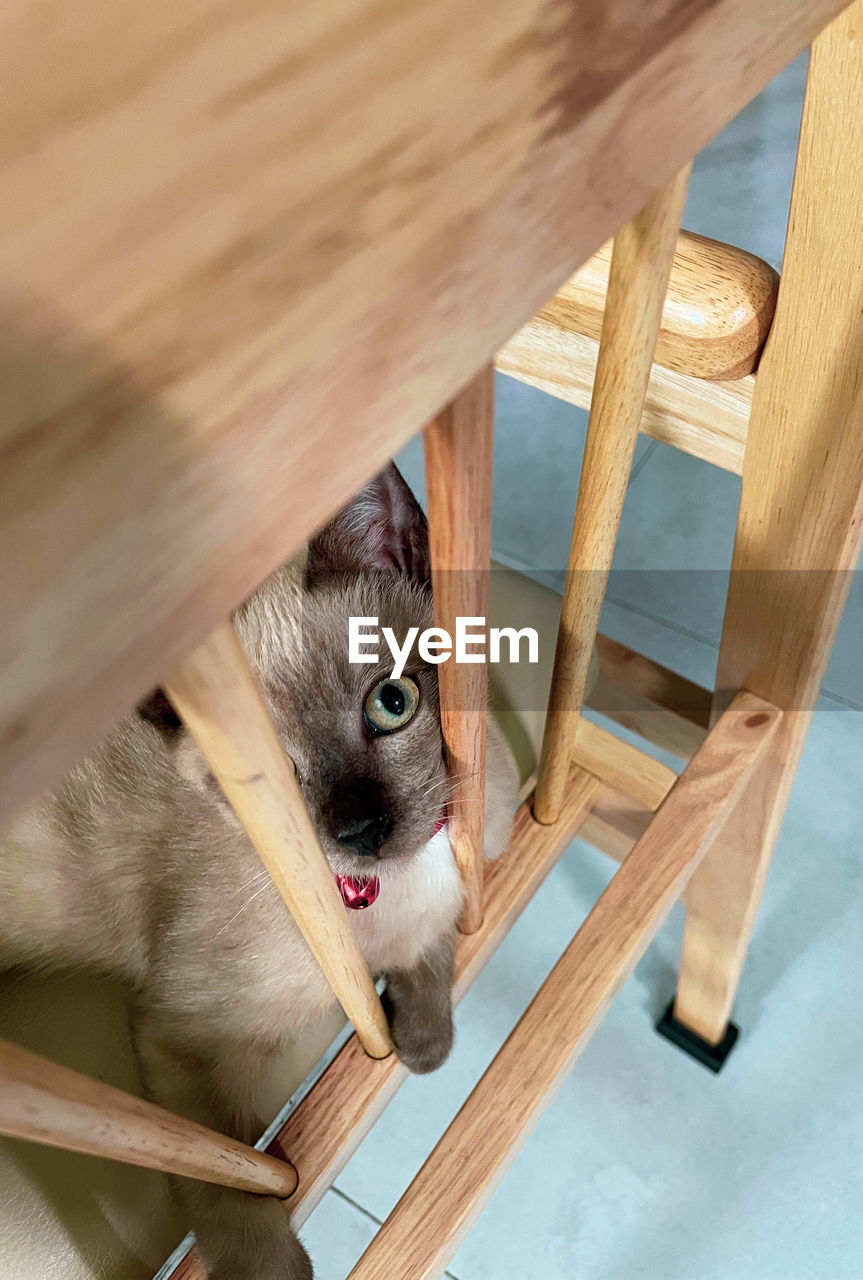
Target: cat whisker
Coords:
[[443, 784], [462, 783], [247, 903], [254, 880]]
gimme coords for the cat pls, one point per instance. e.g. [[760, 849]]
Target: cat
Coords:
[[138, 867]]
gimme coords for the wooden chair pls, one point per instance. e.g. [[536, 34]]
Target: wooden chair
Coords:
[[393, 354]]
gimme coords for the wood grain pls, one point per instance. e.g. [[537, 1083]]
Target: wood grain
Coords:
[[420, 1236], [716, 315], [331, 1121], [246, 251], [458, 468], [801, 510], [615, 823], [640, 264], [619, 765], [217, 695], [47, 1103], [705, 419]]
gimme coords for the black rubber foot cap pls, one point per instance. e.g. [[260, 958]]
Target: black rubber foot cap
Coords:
[[712, 1056]]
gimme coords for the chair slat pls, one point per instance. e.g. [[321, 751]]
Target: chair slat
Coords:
[[217, 695], [458, 460], [643, 252]]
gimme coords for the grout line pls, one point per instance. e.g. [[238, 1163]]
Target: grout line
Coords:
[[824, 692], [513, 562], [662, 622], [356, 1205], [842, 700], [510, 561], [371, 1217], [543, 577]]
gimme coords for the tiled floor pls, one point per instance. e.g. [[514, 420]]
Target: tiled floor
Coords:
[[645, 1165]]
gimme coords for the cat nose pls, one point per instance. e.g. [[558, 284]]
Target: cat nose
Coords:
[[367, 835]]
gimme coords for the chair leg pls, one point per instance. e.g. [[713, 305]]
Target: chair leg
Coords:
[[801, 514], [724, 895]]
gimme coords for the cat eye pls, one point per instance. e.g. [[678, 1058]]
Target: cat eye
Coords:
[[391, 704]]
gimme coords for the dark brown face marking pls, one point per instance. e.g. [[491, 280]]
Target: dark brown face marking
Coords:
[[373, 796], [596, 47]]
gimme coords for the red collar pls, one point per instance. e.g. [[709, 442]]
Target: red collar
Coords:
[[359, 892]]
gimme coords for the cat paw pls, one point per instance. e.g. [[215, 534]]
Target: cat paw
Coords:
[[422, 1044], [292, 1263], [254, 1245], [299, 1268]]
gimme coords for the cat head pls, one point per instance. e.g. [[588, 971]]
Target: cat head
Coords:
[[367, 748]]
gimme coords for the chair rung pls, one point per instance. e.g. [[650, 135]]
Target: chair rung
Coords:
[[717, 311], [621, 766], [706, 419], [424, 1230], [642, 678], [44, 1102], [615, 824]]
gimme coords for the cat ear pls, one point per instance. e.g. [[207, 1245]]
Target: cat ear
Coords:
[[159, 712], [383, 527], [183, 753]]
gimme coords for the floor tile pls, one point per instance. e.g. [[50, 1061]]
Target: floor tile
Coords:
[[336, 1235], [694, 659], [674, 547], [645, 1164]]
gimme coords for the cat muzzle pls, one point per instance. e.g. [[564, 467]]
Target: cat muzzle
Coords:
[[359, 892]]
